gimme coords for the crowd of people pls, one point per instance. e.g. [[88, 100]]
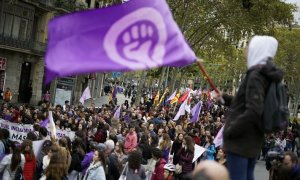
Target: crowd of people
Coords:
[[144, 143]]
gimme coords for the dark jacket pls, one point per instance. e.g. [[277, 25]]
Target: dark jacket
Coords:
[[146, 152], [175, 149], [186, 160], [77, 158], [243, 133]]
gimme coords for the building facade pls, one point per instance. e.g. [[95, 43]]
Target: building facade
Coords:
[[23, 36]]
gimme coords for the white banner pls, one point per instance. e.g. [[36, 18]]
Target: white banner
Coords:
[[18, 132]]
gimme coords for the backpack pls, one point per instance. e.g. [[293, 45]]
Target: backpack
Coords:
[[276, 113]]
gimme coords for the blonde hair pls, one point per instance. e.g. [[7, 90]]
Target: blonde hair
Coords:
[[166, 142]]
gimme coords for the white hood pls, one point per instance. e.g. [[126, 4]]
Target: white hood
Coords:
[[260, 49]]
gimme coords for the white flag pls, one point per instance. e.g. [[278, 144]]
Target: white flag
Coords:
[[183, 107], [85, 95], [52, 125]]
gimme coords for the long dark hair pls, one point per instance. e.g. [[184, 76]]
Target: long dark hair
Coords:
[[102, 159], [189, 143], [177, 138], [16, 157]]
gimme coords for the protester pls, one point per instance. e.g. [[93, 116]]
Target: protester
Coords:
[[30, 160], [13, 163], [8, 95], [177, 144], [134, 170], [243, 135], [160, 163], [96, 169], [186, 154], [210, 149], [169, 172], [165, 146], [57, 166], [221, 157], [131, 140]]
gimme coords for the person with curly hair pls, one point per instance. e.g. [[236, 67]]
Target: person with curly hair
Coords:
[[133, 169], [56, 169]]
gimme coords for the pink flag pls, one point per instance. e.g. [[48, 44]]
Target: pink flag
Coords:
[[218, 141], [85, 95]]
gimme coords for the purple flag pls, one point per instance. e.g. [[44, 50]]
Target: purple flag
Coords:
[[117, 113], [140, 34], [127, 118], [115, 91], [195, 117], [44, 123], [209, 104]]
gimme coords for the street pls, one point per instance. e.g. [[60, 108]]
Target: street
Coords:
[[260, 172]]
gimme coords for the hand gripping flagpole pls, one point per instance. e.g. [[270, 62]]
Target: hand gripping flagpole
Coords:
[[211, 83]]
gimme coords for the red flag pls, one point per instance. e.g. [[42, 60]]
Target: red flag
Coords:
[[183, 97]]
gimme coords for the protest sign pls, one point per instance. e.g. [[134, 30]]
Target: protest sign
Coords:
[[18, 132]]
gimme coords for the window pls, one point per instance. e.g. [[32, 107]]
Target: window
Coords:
[[16, 27], [8, 24], [23, 28]]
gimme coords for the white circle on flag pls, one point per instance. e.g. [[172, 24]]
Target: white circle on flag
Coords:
[[137, 40]]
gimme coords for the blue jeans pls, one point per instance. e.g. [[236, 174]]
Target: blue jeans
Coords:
[[239, 167]]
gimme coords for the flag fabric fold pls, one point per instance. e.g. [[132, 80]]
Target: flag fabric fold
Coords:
[[218, 141], [172, 96], [117, 38], [183, 107], [175, 99], [117, 113], [183, 97], [156, 99], [44, 123], [52, 125], [85, 95], [197, 112]]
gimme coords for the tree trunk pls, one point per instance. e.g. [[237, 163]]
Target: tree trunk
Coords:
[[173, 81], [140, 88], [161, 79]]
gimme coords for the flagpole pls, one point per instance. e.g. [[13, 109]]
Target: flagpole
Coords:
[[211, 83]]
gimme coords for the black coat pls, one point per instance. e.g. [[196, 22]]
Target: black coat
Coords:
[[243, 133], [175, 149]]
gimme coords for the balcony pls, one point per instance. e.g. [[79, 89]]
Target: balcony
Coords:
[[34, 47], [65, 5], [16, 43]]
